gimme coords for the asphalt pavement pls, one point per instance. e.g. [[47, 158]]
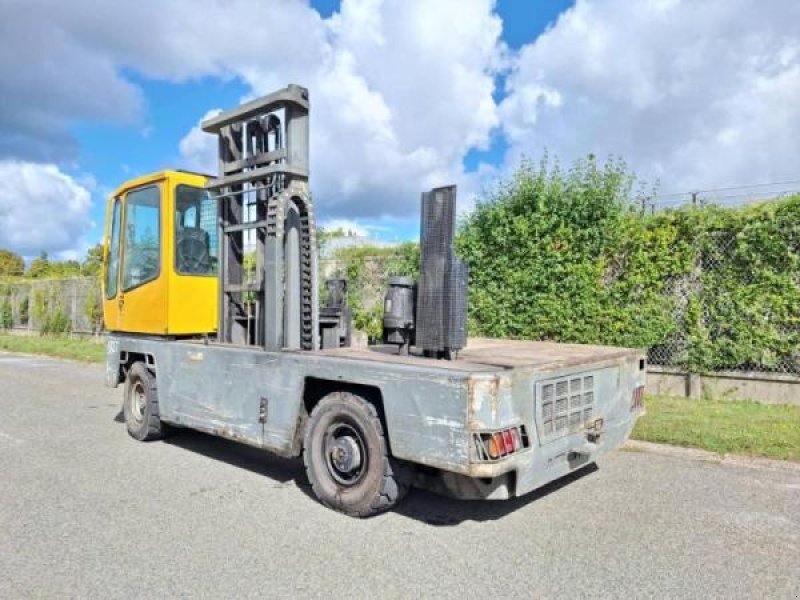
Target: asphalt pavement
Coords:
[[86, 511]]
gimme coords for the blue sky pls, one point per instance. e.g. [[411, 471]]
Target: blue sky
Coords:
[[406, 95]]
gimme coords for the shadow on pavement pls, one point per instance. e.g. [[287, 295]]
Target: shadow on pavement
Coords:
[[438, 510], [261, 462], [421, 505]]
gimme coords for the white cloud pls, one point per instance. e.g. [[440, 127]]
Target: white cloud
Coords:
[[41, 208], [199, 149], [50, 76], [695, 94], [400, 91]]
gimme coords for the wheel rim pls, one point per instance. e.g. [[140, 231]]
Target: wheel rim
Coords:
[[345, 453], [138, 401]]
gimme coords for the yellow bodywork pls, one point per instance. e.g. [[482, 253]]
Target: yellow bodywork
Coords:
[[168, 302]]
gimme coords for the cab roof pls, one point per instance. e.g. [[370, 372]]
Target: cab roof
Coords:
[[180, 175]]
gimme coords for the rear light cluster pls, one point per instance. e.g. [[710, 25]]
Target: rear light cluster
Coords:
[[499, 444], [637, 400]]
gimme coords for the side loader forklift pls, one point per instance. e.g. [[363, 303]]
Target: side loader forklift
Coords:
[[211, 303]]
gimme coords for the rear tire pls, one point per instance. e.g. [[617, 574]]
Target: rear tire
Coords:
[[140, 406], [346, 456]]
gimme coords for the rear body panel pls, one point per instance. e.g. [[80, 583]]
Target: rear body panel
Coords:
[[433, 408]]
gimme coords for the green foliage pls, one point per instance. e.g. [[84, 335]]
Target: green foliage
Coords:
[[40, 306], [367, 270], [326, 235], [48, 313], [24, 311], [93, 263], [6, 319], [39, 267], [56, 322], [11, 264], [565, 256], [93, 307], [744, 310]]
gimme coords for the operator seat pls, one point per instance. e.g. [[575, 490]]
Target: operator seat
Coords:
[[192, 251]]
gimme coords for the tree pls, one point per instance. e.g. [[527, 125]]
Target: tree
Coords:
[[93, 261], [64, 268], [40, 267], [11, 264]]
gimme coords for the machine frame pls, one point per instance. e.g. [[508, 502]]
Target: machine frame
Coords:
[[494, 420]]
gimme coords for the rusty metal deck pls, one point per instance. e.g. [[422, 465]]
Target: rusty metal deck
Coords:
[[485, 354]]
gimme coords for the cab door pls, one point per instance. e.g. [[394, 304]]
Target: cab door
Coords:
[[142, 296], [112, 299]]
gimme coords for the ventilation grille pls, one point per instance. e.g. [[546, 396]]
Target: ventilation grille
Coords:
[[565, 405]]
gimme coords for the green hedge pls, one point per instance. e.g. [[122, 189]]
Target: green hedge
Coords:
[[568, 256], [367, 270]]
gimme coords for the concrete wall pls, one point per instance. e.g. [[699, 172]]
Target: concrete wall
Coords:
[[767, 388]]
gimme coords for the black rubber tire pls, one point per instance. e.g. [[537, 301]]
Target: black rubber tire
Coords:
[[380, 487], [148, 426]]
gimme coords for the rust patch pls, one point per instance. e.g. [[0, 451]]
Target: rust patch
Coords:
[[494, 397], [479, 392]]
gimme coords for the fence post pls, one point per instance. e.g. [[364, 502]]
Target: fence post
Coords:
[[693, 388]]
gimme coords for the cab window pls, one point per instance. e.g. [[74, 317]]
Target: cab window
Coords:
[[195, 231], [113, 253], [142, 245]]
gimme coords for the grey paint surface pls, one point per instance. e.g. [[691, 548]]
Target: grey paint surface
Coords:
[[432, 407], [87, 512]]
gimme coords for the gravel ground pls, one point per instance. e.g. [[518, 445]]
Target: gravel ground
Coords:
[[87, 511]]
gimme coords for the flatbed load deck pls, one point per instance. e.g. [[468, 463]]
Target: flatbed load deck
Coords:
[[487, 354], [566, 404]]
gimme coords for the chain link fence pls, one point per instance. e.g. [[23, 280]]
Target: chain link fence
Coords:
[[755, 329], [757, 326], [732, 197], [52, 306]]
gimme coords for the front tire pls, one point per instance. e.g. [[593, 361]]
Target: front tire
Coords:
[[347, 457], [140, 406]]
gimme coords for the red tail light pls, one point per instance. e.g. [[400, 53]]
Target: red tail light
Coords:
[[508, 440], [499, 444], [494, 451]]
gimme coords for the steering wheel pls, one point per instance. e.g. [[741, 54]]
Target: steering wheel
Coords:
[[193, 254]]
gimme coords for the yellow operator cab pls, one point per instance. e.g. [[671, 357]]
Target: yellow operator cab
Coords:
[[160, 256]]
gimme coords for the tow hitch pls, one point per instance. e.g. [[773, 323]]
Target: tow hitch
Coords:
[[583, 453]]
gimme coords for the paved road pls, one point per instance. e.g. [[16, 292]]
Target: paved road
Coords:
[[87, 511]]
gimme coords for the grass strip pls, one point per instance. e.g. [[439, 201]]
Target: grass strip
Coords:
[[86, 350], [723, 426]]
